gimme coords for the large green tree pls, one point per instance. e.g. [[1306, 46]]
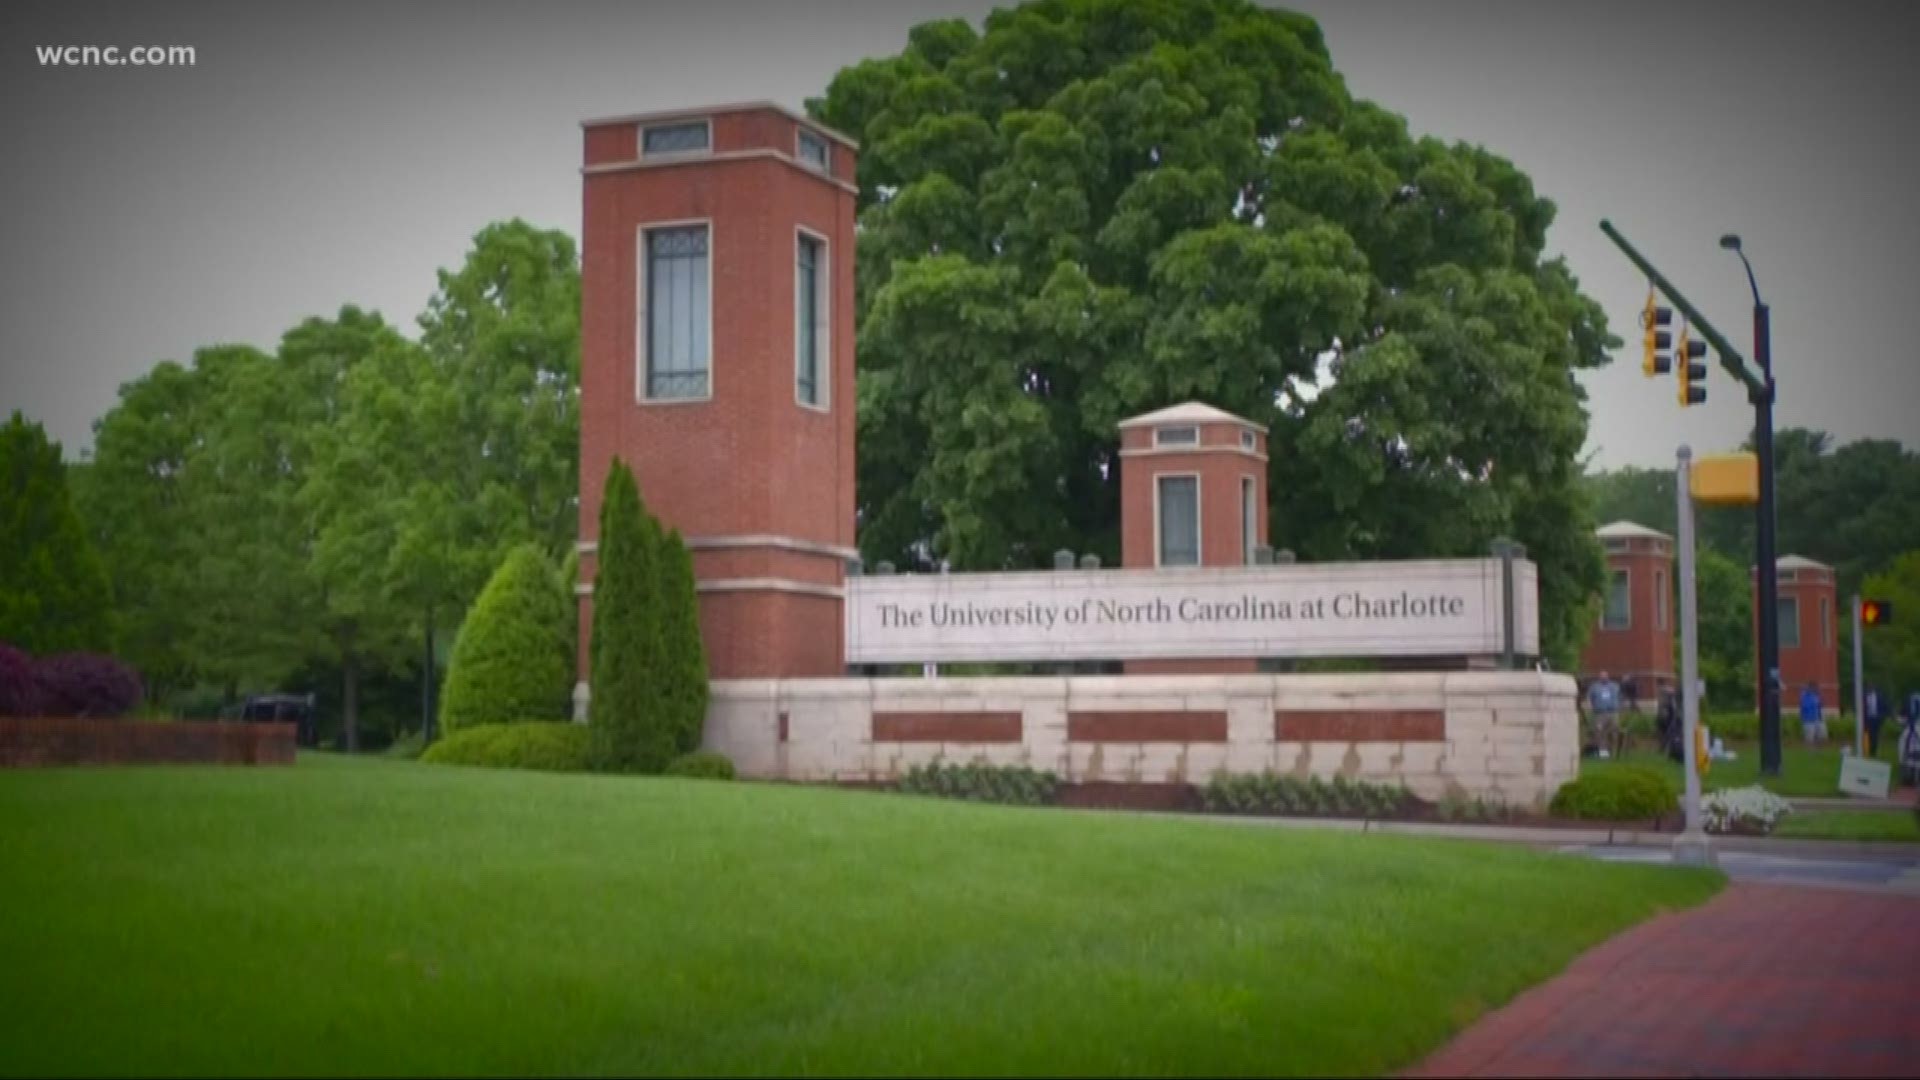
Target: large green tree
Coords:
[[1092, 209], [54, 593]]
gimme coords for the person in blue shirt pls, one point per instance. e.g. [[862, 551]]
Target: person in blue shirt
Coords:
[[1603, 697], [1812, 723], [1874, 714]]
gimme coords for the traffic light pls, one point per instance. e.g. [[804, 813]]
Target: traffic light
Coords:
[[1658, 341], [1876, 612], [1690, 360]]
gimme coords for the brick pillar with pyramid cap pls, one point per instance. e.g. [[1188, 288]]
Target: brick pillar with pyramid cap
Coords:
[[1193, 492], [1633, 642], [716, 360], [1809, 636]]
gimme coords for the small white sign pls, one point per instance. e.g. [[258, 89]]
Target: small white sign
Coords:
[[1411, 608], [1865, 777]]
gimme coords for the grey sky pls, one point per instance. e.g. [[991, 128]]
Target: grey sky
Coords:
[[341, 153]]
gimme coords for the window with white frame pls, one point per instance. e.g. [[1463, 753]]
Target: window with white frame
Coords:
[[1247, 441], [1619, 610], [814, 151], [1178, 515], [678, 318], [680, 138], [1788, 608], [1249, 521], [1176, 436], [810, 322]]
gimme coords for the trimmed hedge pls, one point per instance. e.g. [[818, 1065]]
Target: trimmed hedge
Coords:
[[509, 663], [1267, 793], [19, 683], [1621, 793], [1015, 784], [533, 744], [701, 765], [85, 685]]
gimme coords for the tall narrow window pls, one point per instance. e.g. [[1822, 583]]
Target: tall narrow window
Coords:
[[1249, 518], [1826, 621], [1659, 599], [809, 328], [1619, 612], [678, 320], [1788, 608], [1179, 514]]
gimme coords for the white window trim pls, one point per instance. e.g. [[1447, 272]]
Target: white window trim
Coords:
[[1199, 519], [642, 340], [1159, 435], [1795, 621], [1628, 624], [1249, 441], [1660, 588], [640, 150], [1249, 519], [824, 272], [800, 132]]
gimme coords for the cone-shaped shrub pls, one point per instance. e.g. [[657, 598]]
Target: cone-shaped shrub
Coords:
[[510, 661], [683, 657], [628, 725]]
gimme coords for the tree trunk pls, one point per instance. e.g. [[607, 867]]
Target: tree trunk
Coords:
[[350, 699]]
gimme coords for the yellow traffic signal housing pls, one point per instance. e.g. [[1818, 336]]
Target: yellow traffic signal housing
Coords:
[[1690, 360], [1876, 612], [1657, 341], [1725, 479]]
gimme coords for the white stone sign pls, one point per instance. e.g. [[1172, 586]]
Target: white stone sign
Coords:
[[1411, 608]]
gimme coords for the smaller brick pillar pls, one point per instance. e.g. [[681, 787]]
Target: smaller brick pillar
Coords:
[[1633, 642], [1193, 492], [1809, 637]]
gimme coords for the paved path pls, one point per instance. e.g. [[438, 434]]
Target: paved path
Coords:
[[1892, 867], [1764, 980]]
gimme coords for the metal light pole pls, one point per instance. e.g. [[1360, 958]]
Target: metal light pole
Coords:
[[1692, 846], [1859, 686], [1768, 677]]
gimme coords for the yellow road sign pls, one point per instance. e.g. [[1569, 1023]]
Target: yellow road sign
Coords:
[[1726, 479]]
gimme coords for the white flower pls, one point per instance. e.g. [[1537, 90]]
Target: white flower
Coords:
[[1753, 807]]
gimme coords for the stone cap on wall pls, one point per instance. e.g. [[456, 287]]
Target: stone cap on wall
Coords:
[[1190, 412], [1629, 530]]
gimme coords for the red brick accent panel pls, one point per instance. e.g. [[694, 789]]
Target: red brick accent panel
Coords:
[[944, 727], [1165, 726], [39, 741], [1359, 725]]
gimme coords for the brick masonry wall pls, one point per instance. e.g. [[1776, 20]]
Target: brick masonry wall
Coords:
[[1510, 736], [44, 742]]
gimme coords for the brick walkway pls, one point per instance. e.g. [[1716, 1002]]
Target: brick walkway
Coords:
[[1764, 980]]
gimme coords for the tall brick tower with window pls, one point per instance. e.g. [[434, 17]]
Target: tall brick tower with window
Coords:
[[716, 360], [1634, 641], [1809, 635]]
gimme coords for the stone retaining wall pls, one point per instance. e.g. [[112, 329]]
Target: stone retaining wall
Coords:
[[1508, 736]]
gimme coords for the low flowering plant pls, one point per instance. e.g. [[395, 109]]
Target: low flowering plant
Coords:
[[1743, 810]]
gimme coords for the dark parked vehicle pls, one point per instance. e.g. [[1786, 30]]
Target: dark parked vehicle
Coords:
[[284, 708]]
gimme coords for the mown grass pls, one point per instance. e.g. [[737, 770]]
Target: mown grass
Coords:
[[1805, 772], [1890, 825], [354, 917]]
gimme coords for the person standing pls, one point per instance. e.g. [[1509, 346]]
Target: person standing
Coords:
[[1811, 724], [1604, 698], [1873, 714]]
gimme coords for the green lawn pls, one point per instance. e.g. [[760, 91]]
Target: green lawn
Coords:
[[1804, 772], [1850, 825], [388, 917]]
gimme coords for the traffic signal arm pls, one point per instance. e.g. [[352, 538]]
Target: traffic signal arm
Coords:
[[1730, 357]]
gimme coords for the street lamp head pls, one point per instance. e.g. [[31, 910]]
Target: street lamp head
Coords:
[[1730, 242]]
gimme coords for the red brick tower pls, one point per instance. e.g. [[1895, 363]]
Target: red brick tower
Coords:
[[1193, 492], [1634, 641], [716, 360], [1809, 635]]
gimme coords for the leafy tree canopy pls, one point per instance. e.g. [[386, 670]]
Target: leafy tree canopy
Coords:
[[54, 594], [1090, 209]]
